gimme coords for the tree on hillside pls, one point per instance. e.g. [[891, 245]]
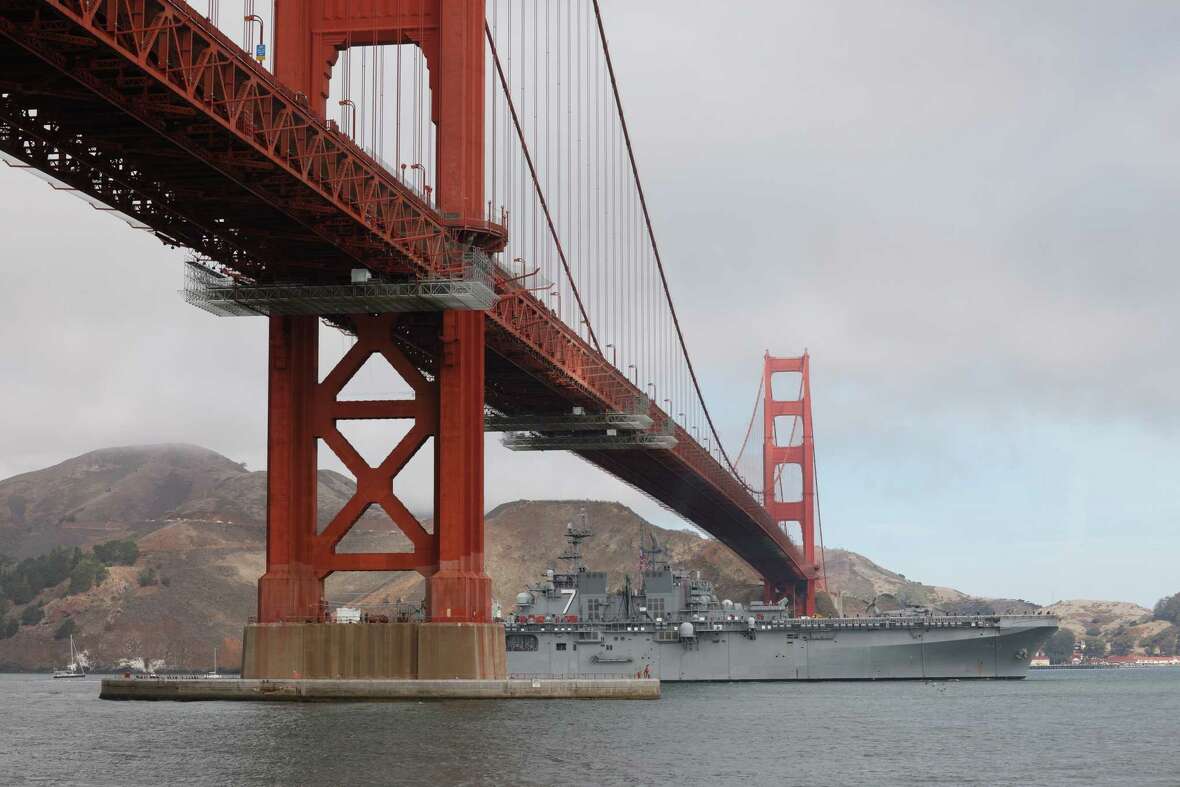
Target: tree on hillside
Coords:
[[22, 582], [1165, 643], [1122, 643], [88, 573], [9, 627], [18, 589], [1095, 647], [117, 553], [32, 615], [1059, 648], [1168, 608], [67, 627]]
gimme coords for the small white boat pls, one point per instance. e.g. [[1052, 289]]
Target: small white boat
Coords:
[[214, 674], [75, 668]]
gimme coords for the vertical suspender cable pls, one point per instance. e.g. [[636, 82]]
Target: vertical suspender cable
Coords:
[[540, 196], [651, 234]]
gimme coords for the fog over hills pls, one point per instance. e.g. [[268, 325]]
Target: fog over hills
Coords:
[[199, 521]]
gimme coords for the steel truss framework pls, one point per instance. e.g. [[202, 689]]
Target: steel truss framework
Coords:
[[145, 106], [374, 485]]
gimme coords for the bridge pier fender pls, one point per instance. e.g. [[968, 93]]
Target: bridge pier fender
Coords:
[[462, 650], [374, 651]]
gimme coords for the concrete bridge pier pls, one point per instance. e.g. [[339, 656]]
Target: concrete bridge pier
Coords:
[[374, 651]]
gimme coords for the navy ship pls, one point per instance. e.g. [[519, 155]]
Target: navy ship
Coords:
[[673, 627]]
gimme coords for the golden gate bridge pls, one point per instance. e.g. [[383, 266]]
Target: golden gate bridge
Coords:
[[452, 182]]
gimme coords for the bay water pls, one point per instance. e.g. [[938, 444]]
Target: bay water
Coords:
[[1099, 727]]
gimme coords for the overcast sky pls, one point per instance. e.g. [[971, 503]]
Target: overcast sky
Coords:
[[965, 211]]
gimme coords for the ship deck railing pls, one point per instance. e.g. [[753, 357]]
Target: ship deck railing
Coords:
[[741, 623]]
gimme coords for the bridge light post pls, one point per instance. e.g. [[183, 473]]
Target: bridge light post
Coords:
[[260, 52], [557, 295], [424, 187], [614, 356], [530, 274], [348, 102], [635, 376]]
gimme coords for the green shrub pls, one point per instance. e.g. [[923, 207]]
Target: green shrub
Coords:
[[21, 583], [9, 627], [32, 615], [1060, 646], [67, 627], [88, 573], [1168, 608], [1095, 647], [1122, 643], [117, 553], [1165, 643], [148, 577]]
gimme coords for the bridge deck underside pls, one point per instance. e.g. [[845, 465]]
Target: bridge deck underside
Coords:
[[105, 122]]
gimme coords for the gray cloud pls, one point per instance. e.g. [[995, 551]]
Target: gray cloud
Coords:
[[965, 212]]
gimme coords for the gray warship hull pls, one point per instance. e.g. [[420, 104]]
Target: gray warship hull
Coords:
[[926, 647], [673, 627]]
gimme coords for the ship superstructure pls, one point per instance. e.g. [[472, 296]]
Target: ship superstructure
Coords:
[[672, 626]]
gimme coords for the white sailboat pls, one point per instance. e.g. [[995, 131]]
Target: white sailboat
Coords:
[[214, 674], [75, 668]]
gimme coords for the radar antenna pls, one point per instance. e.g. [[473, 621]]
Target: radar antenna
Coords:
[[574, 536], [652, 558]]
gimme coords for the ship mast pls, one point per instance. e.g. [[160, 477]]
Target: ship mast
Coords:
[[574, 536]]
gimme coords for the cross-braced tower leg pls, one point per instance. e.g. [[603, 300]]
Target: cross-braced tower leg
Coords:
[[458, 640], [780, 452]]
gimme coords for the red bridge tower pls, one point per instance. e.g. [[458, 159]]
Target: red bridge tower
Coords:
[[309, 37], [778, 451]]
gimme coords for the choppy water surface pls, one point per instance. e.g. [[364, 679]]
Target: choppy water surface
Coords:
[[1097, 727]]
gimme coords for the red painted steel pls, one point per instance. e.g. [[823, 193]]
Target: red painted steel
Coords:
[[291, 588], [145, 106], [459, 590], [778, 451], [309, 36], [302, 410]]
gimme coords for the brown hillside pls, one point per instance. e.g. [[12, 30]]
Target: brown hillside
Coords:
[[199, 521], [111, 493], [1077, 615]]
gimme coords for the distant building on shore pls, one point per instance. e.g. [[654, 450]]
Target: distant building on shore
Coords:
[[1137, 660]]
